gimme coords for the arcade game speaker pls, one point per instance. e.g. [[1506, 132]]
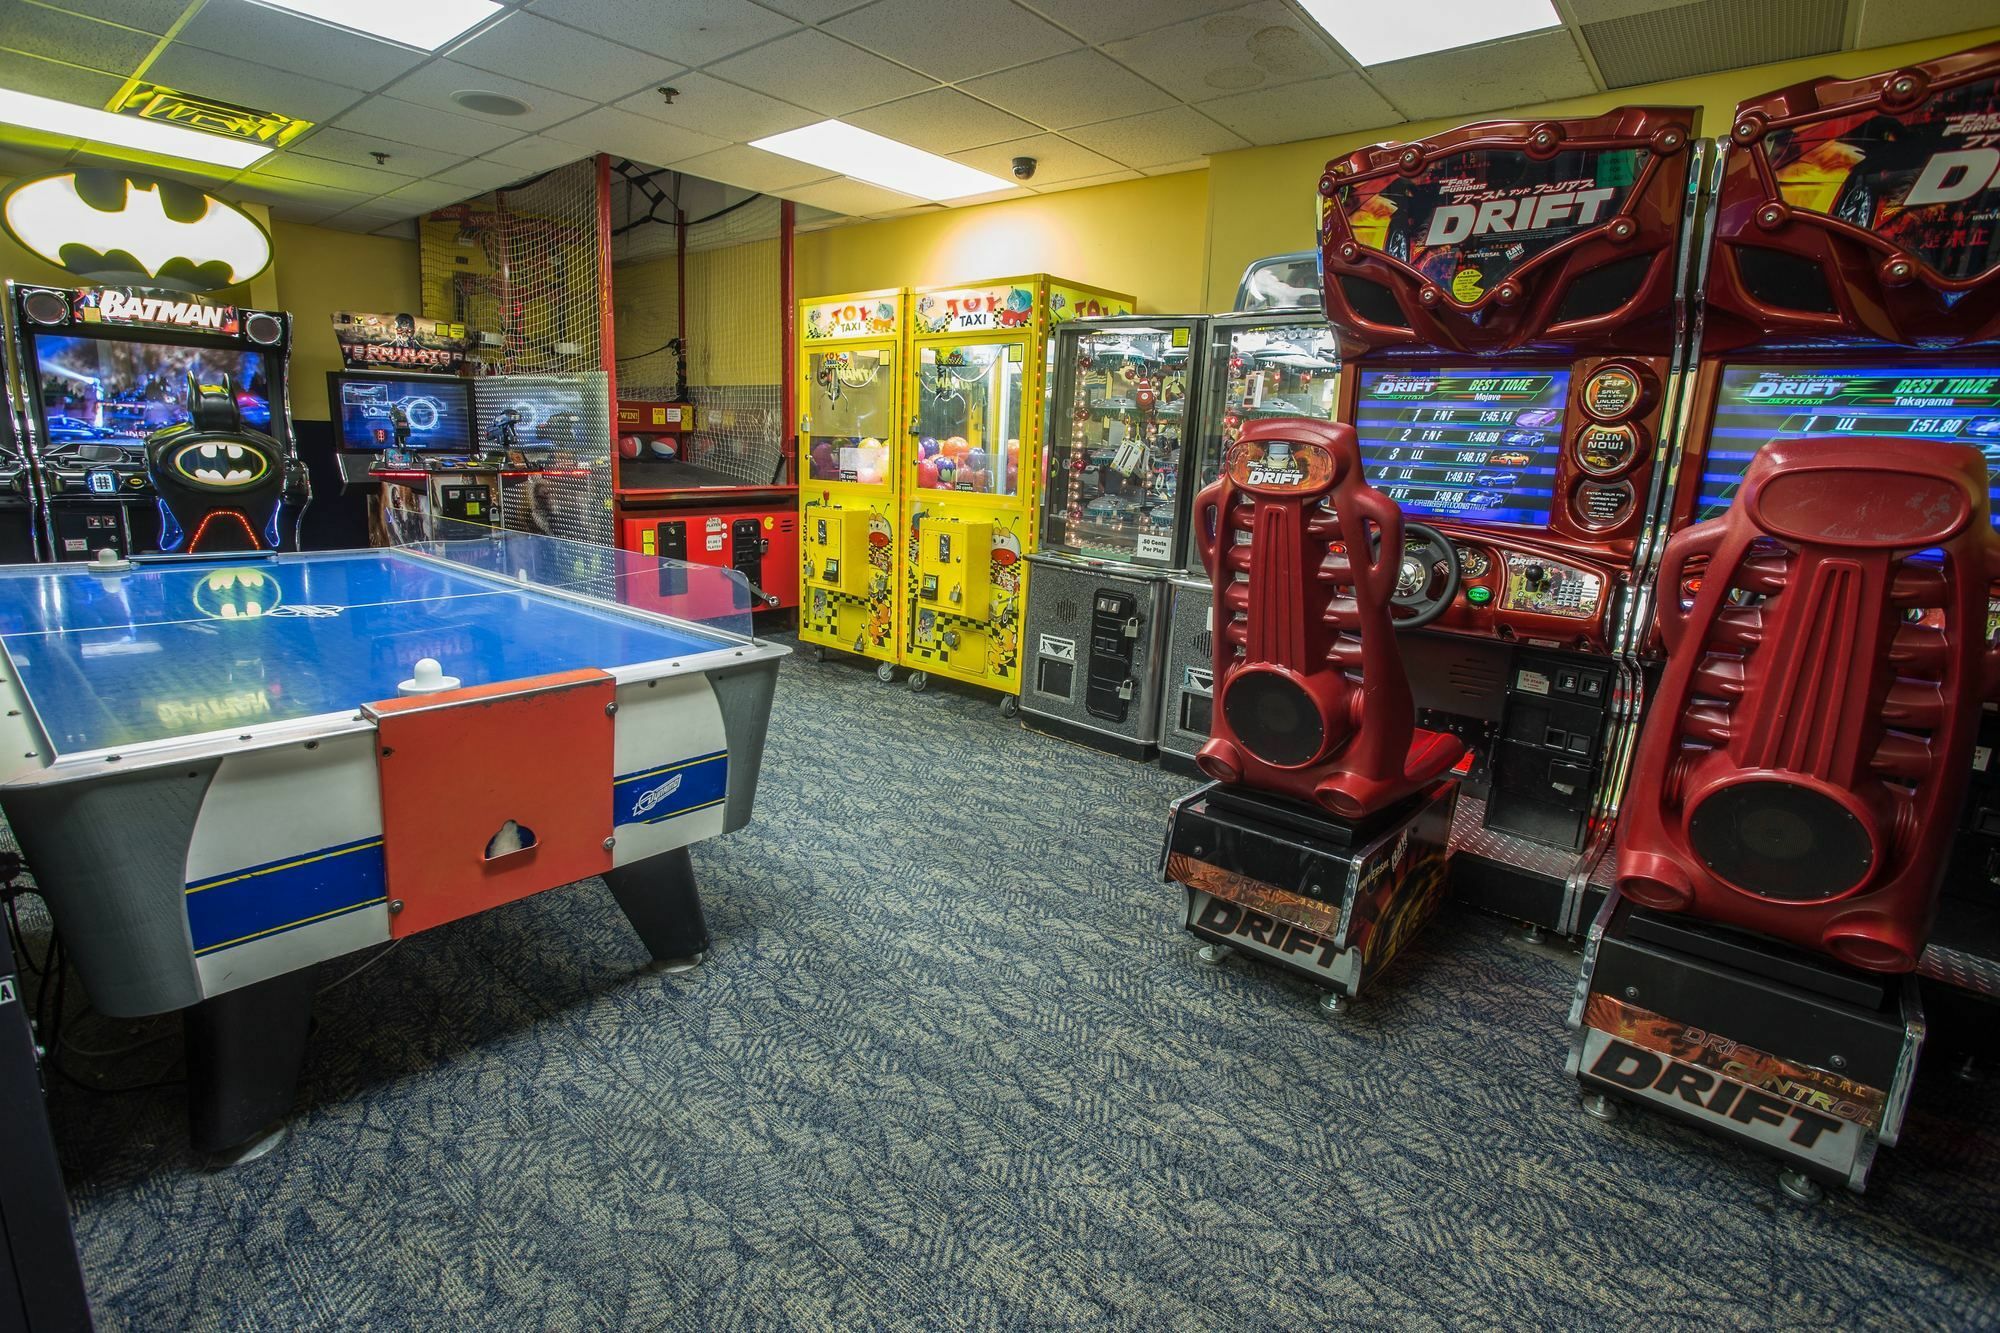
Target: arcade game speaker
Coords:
[[1322, 841], [221, 485], [1811, 738]]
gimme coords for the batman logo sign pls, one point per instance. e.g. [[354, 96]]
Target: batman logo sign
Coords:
[[108, 226], [218, 465], [236, 594]]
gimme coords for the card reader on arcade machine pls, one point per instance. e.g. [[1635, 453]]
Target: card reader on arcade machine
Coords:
[[1796, 790], [1505, 297]]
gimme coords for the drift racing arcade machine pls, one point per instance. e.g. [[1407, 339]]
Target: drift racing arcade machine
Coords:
[[1505, 296], [102, 368], [1799, 788], [1321, 843]]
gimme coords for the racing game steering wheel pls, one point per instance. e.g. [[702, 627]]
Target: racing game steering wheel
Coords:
[[1425, 552]]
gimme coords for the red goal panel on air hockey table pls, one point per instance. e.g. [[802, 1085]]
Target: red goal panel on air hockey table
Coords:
[[199, 765]]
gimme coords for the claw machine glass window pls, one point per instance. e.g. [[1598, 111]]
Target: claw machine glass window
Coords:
[[1114, 447], [1266, 366], [851, 414], [969, 418]]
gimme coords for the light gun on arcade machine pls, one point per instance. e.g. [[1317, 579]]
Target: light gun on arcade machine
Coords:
[[1505, 295], [1797, 798]]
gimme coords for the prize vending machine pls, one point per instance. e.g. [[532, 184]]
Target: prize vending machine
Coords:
[[970, 477], [1806, 897], [851, 418], [1274, 362], [1123, 396]]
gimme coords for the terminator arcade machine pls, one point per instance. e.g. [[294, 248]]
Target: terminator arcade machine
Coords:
[[101, 368], [1123, 399], [1799, 786], [1505, 295], [1267, 362]]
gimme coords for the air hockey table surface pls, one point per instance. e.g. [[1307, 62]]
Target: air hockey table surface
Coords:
[[215, 781]]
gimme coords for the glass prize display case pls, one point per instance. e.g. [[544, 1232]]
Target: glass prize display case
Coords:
[[1124, 394]]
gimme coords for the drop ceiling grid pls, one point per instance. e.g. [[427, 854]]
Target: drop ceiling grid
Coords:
[[1125, 86]]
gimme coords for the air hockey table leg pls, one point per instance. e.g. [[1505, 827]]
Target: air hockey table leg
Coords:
[[659, 898], [244, 1052]]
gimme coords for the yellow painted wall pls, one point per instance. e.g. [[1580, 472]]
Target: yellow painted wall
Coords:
[[1147, 237], [321, 271], [1261, 199]]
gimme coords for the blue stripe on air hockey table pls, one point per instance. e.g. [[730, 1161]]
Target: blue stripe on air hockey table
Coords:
[[268, 899], [675, 789], [178, 650]]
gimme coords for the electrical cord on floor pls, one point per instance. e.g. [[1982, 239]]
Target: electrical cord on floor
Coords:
[[379, 955]]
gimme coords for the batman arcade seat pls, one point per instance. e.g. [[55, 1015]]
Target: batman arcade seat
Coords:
[[221, 484]]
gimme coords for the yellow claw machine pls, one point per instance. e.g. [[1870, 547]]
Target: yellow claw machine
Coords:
[[850, 361], [971, 469]]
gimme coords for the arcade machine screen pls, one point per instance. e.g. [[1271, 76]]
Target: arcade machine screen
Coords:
[[1755, 405], [439, 413], [1464, 442], [107, 391]]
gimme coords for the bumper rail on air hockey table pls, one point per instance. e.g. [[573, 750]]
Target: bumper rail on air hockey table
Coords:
[[220, 781]]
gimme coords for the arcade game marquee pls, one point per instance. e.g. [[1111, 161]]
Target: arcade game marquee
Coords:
[[1506, 297], [1123, 401], [101, 368], [1798, 793], [970, 479], [850, 366], [1268, 362]]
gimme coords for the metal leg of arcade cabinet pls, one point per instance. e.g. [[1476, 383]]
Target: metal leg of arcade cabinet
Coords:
[[659, 898], [244, 1051]]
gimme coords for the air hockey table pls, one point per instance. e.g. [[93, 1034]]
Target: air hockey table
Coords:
[[222, 771]]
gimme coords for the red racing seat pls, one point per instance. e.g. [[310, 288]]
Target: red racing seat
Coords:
[[1311, 701], [1806, 753]]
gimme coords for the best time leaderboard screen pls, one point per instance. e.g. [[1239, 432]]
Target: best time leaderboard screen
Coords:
[[1758, 404], [1464, 442]]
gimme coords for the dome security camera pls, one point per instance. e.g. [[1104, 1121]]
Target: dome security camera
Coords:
[[1024, 168]]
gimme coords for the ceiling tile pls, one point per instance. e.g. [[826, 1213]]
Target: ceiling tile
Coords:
[[434, 84], [943, 120], [1176, 168], [563, 58], [689, 32], [17, 161], [319, 171], [33, 30], [46, 78], [536, 153], [852, 197], [193, 70], [812, 11], [724, 110], [369, 217], [409, 123], [310, 215], [1596, 11], [252, 32], [358, 150], [1056, 159], [1259, 46], [752, 168], [821, 72], [423, 196], [1109, 20], [609, 130], [1072, 89], [1540, 68], [481, 174], [154, 16], [959, 40], [1303, 110], [1084, 182], [270, 190], [1712, 35], [1886, 21], [1173, 135]]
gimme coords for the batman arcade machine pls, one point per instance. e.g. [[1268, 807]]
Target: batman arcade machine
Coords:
[[1799, 789], [101, 369], [1263, 362], [1123, 398], [1506, 299]]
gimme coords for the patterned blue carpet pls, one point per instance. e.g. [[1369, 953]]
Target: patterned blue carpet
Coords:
[[951, 1066]]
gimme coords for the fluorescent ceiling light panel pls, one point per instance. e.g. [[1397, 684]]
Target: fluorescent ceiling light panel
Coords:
[[841, 147], [1375, 34], [424, 24], [147, 136]]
